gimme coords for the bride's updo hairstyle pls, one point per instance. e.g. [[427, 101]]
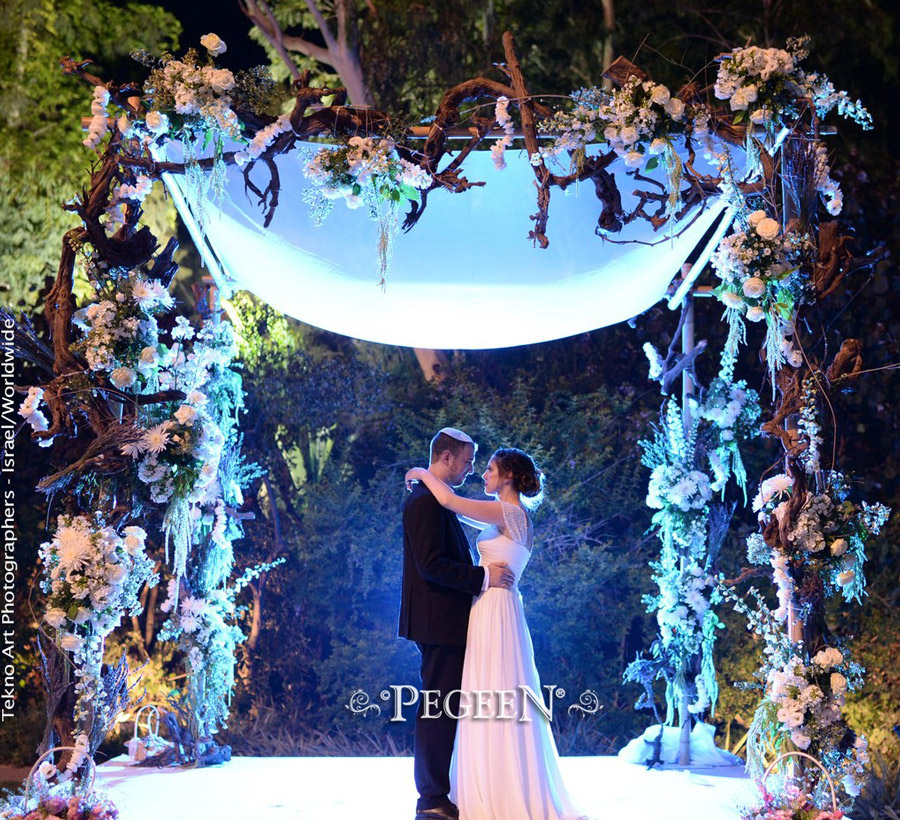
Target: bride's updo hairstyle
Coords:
[[527, 479]]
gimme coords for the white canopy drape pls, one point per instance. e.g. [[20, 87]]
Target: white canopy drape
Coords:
[[465, 277]]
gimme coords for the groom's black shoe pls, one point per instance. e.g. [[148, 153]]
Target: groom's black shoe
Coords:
[[448, 812]]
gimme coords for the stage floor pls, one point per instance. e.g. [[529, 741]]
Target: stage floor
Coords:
[[381, 788]]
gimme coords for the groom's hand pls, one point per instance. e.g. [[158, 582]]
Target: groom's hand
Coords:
[[501, 575]]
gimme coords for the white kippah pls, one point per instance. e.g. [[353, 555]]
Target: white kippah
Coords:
[[459, 435]]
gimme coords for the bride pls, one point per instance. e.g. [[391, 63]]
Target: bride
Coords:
[[503, 768]]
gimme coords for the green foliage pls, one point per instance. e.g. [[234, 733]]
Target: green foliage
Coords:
[[42, 161]]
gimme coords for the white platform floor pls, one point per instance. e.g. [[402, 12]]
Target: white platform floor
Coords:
[[381, 788]]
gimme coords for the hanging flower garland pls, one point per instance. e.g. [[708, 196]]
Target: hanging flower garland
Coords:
[[763, 280], [370, 173], [92, 576]]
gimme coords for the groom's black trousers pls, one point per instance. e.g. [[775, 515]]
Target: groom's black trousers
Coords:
[[441, 670]]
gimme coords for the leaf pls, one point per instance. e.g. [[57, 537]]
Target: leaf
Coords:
[[652, 163], [740, 117]]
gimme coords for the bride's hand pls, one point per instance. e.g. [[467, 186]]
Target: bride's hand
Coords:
[[415, 474]]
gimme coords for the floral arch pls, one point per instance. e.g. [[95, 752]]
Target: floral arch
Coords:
[[661, 175]]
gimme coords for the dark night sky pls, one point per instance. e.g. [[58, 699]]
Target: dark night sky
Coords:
[[223, 17]]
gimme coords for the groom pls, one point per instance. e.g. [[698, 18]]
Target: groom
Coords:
[[439, 582]]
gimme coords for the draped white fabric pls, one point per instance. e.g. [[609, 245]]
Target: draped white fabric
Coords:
[[466, 276]]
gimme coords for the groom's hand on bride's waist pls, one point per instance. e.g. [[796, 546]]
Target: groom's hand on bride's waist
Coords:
[[501, 575]]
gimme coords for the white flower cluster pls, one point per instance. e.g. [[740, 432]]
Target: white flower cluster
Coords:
[[364, 161], [762, 281], [776, 488], [198, 92], [639, 117], [744, 71], [504, 120], [93, 576], [28, 410], [263, 139], [98, 127], [673, 485], [724, 409], [769, 84], [118, 323], [829, 188], [122, 194], [809, 698]]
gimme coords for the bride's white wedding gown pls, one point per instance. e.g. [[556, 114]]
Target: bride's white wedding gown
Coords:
[[504, 769]]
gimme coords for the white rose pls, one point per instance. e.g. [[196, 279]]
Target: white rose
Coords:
[[838, 546], [634, 159], [219, 80], [660, 95], [629, 135], [751, 93], [675, 108], [115, 573], [756, 314], [731, 299], [123, 377], [611, 133], [838, 683], [55, 617], [756, 217], [196, 397], [214, 44], [760, 116], [157, 123], [150, 356], [738, 101], [71, 643], [768, 228], [82, 615], [658, 146], [754, 287], [185, 414]]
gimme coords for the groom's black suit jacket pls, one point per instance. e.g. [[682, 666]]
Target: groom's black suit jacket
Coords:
[[439, 577]]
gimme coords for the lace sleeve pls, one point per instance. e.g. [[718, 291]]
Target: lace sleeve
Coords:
[[516, 522]]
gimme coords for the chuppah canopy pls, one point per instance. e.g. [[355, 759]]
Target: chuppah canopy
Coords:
[[465, 276]]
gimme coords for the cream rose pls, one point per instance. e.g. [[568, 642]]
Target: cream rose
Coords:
[[634, 159], [661, 95], [658, 146], [150, 356], [71, 643], [756, 217], [756, 313], [629, 135], [838, 546], [768, 228], [157, 123], [731, 299], [214, 44], [675, 108], [754, 287], [55, 617], [123, 377]]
